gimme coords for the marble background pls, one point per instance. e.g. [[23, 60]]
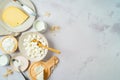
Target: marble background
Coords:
[[89, 38]]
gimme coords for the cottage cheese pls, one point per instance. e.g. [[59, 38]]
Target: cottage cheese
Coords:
[[20, 61], [32, 49]]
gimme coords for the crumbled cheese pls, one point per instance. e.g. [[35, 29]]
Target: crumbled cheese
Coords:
[[47, 14], [54, 28], [16, 64]]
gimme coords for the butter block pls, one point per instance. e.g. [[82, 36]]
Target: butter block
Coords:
[[14, 16]]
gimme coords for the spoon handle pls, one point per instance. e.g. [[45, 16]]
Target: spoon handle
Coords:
[[53, 50], [23, 75]]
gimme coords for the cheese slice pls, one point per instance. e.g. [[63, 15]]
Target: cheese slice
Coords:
[[40, 76], [40, 72], [13, 16]]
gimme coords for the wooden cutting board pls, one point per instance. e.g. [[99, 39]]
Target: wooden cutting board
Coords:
[[48, 65]]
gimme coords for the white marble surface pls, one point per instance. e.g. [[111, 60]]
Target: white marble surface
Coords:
[[89, 38]]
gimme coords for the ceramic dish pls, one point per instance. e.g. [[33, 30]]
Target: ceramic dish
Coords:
[[27, 24], [30, 49], [21, 61]]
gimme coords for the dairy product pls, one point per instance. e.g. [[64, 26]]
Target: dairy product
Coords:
[[4, 60], [32, 49], [20, 61], [14, 16], [40, 26], [8, 44], [40, 72]]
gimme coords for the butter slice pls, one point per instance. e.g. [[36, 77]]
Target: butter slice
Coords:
[[13, 16]]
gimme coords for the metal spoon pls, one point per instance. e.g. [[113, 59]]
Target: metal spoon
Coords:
[[25, 78], [22, 73]]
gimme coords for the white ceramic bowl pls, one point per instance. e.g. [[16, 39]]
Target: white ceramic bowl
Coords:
[[21, 61], [24, 51]]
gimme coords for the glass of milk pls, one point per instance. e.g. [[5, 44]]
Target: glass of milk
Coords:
[[4, 60], [40, 26]]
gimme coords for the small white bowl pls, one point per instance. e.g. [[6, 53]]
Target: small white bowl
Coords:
[[19, 60]]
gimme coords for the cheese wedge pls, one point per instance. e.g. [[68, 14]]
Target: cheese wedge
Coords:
[[40, 73], [40, 76], [13, 16]]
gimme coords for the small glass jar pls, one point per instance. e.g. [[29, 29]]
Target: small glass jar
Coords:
[[40, 26], [4, 60]]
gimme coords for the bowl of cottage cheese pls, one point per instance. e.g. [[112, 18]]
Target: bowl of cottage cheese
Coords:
[[30, 49]]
